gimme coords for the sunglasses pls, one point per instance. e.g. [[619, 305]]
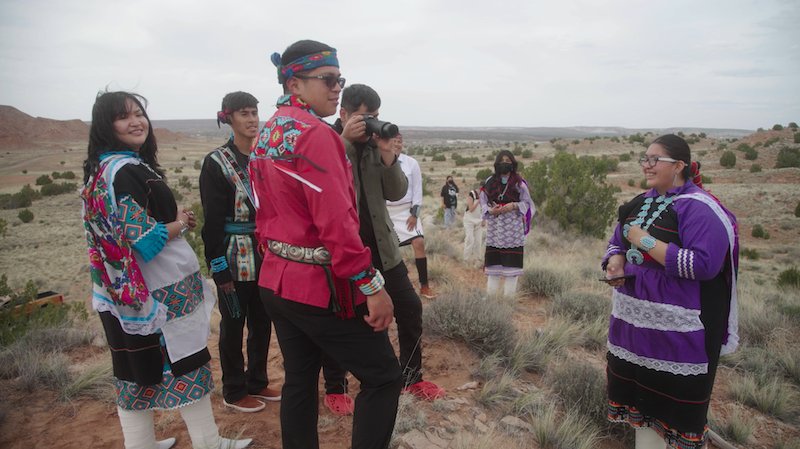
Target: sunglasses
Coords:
[[330, 80], [652, 161]]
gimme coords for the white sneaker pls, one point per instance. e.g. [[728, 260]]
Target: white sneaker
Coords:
[[226, 443], [166, 444]]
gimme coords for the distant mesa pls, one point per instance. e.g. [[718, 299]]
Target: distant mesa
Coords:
[[19, 130]]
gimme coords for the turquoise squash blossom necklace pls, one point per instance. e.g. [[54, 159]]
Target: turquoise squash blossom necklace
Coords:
[[649, 242]]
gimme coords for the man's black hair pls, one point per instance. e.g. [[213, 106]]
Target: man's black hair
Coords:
[[357, 94], [235, 101], [298, 50]]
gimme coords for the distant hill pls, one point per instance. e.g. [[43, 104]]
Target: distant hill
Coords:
[[209, 129], [18, 129]]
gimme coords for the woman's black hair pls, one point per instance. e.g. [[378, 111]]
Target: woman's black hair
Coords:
[[108, 107], [297, 51], [513, 179], [677, 148]]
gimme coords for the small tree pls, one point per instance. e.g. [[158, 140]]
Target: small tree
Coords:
[[751, 154], [778, 128], [758, 231], [728, 159], [796, 137], [631, 183], [25, 215], [793, 125], [483, 174], [43, 180], [788, 157], [755, 168], [527, 154], [702, 135]]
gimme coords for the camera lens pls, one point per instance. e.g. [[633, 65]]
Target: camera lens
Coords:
[[381, 129]]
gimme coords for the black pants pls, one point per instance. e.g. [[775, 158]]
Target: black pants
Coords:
[[236, 383], [304, 333], [408, 314]]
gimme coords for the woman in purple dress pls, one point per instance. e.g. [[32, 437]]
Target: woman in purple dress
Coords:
[[675, 314], [507, 208]]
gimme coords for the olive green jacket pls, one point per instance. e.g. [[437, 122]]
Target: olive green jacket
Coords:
[[381, 183]]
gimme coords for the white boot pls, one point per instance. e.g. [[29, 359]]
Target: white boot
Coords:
[[226, 443], [199, 419], [647, 438], [492, 285], [166, 444], [137, 429], [510, 288]]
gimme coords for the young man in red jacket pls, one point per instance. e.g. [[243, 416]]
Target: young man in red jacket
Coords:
[[317, 280]]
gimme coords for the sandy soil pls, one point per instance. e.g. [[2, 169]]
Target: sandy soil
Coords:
[[51, 251]]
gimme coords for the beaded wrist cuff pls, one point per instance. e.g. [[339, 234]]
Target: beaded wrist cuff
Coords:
[[219, 264], [369, 281]]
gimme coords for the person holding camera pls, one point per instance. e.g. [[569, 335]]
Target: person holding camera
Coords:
[[405, 215], [230, 250], [317, 280], [449, 201], [378, 177]]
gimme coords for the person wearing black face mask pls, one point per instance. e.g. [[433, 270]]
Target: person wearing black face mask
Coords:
[[507, 208], [449, 202]]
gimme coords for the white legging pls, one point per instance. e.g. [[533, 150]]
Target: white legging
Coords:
[[139, 433], [493, 285], [649, 439]]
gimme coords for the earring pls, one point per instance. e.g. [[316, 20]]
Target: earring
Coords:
[[675, 179]]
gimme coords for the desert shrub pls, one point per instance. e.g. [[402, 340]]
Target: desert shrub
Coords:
[[439, 158], [777, 127], [743, 147], [755, 168], [527, 154], [24, 172], [582, 388], [198, 165], [483, 325], [575, 194], [767, 394], [177, 170], [792, 125], [738, 428], [751, 154], [571, 431], [624, 157], [580, 306], [184, 182], [631, 183], [643, 184], [758, 231], [788, 157], [728, 159], [68, 175], [23, 198], [467, 160], [178, 195], [25, 215], [560, 147], [789, 278], [544, 281], [722, 146], [749, 253], [3, 227], [705, 179], [497, 392], [797, 210], [43, 180], [771, 141], [615, 139], [58, 189], [796, 137], [517, 151], [535, 350]]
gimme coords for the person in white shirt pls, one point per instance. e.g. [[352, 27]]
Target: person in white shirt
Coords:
[[405, 215]]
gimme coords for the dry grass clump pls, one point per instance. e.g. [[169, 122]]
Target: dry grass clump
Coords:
[[483, 325], [571, 431], [545, 282], [767, 394], [580, 306], [534, 351], [409, 417], [439, 269], [489, 440], [738, 428], [96, 382], [582, 389], [440, 242], [781, 444], [498, 391]]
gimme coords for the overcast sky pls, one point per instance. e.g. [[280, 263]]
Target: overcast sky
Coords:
[[632, 63]]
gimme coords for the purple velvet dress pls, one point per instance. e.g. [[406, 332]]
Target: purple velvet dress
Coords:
[[671, 323]]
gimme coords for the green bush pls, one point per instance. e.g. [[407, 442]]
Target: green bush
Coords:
[[722, 146], [751, 154], [705, 179], [743, 147], [574, 193], [643, 184], [43, 180], [728, 159], [439, 158], [25, 215], [624, 157], [796, 137], [58, 189], [771, 141], [23, 198], [3, 227], [755, 168], [778, 128], [631, 183], [788, 157], [582, 388], [544, 282], [517, 151], [703, 135], [198, 165], [68, 175], [793, 125], [460, 162], [483, 174], [580, 306], [789, 278], [527, 154], [759, 232], [749, 253], [576, 141]]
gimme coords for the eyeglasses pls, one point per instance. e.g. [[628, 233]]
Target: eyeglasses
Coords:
[[330, 80], [652, 161]]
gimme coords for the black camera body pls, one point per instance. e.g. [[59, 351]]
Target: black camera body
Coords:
[[379, 128]]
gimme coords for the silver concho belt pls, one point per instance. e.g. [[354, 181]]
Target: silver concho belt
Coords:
[[317, 256]]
